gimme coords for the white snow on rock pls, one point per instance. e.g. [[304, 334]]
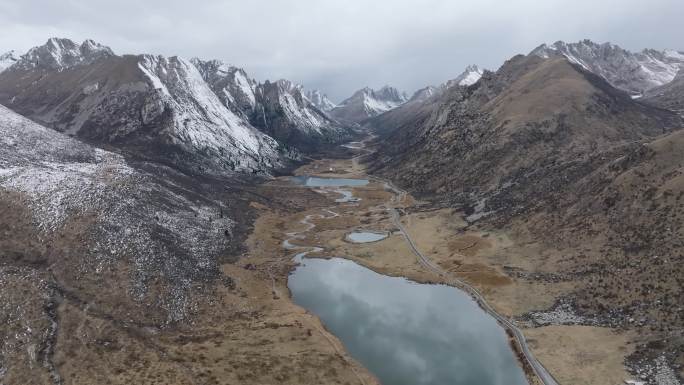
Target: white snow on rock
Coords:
[[297, 107], [133, 216], [201, 120], [60, 54], [469, 77], [370, 102], [631, 72], [8, 59], [320, 100]]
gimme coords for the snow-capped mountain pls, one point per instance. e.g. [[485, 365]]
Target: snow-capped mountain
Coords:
[[200, 120], [469, 76], [366, 103], [160, 106], [59, 54], [320, 100], [231, 84], [632, 72], [8, 59], [284, 112], [279, 109]]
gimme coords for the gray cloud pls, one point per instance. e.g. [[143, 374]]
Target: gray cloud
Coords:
[[340, 46]]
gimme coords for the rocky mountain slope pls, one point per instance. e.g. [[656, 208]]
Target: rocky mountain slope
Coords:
[[366, 103], [280, 109], [635, 73], [231, 84], [284, 112], [545, 148], [91, 238], [670, 95]]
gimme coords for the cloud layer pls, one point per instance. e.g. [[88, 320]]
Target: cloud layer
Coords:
[[340, 46]]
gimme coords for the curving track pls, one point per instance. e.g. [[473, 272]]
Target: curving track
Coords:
[[544, 376]]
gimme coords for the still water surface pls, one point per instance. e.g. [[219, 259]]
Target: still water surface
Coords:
[[312, 181], [365, 236], [406, 333]]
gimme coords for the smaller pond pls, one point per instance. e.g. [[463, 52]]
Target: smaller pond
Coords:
[[366, 236], [312, 181]]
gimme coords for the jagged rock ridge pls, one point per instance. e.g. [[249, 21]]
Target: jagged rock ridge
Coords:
[[635, 73]]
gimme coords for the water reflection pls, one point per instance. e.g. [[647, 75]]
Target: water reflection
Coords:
[[365, 236], [403, 332], [312, 181]]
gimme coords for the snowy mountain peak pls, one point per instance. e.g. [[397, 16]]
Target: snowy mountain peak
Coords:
[[366, 103], [8, 59], [59, 54], [200, 120], [469, 76], [390, 94], [231, 84], [423, 94], [634, 72], [320, 100]]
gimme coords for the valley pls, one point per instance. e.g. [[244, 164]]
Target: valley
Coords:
[[175, 221], [455, 251]]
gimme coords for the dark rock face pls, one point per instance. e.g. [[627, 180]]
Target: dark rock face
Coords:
[[283, 112], [670, 95]]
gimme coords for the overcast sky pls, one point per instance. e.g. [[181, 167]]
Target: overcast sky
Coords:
[[340, 46]]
